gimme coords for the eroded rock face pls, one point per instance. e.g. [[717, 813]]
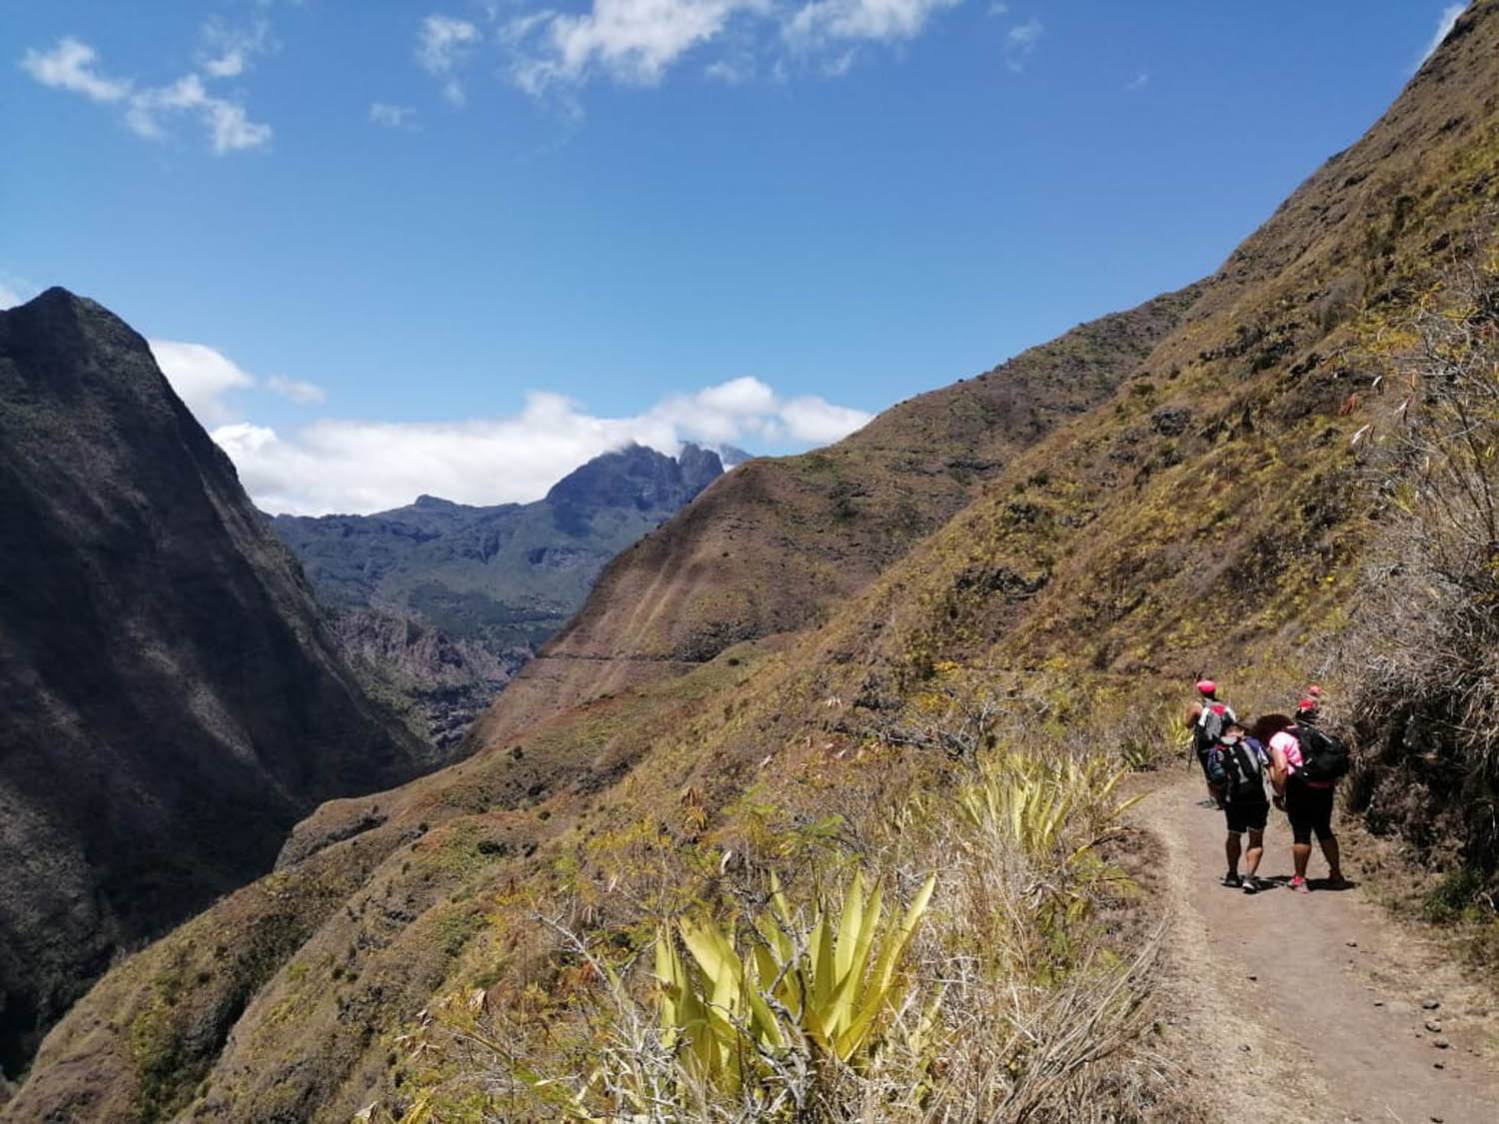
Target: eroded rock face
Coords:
[[172, 703]]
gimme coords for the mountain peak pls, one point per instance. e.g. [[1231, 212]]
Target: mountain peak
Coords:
[[636, 475]]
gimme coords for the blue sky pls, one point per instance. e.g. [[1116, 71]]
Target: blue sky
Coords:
[[459, 246]]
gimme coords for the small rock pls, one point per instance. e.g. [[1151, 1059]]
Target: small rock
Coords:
[[1433, 1026], [1246, 1047], [1431, 1004], [1440, 1043], [1438, 1065], [1254, 979], [1351, 944], [1379, 1003]]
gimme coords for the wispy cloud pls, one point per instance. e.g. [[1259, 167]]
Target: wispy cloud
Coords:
[[202, 376], [878, 20], [73, 66], [211, 383], [1139, 81], [228, 123], [443, 47], [15, 290], [638, 42], [1021, 43], [229, 50], [629, 41], [362, 466], [1445, 24], [392, 116], [303, 393]]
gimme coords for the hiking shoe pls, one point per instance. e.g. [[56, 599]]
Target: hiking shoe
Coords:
[[1233, 880], [1299, 885], [1251, 885], [1337, 882]]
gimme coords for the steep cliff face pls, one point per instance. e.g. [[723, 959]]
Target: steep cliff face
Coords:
[[172, 704], [438, 604], [1213, 505]]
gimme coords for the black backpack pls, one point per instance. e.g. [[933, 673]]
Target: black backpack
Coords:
[[1240, 771], [1323, 757]]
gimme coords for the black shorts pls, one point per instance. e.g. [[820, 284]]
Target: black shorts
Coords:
[[1310, 811], [1246, 817]]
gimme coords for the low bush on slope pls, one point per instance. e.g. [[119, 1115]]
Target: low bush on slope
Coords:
[[1423, 650]]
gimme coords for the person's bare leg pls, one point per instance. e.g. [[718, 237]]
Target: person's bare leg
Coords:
[[1301, 853], [1231, 848], [1331, 854], [1255, 852]]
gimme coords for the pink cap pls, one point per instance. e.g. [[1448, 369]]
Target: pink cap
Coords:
[[1207, 686]]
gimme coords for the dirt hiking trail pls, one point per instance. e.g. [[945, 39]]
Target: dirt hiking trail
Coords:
[[1315, 1007]]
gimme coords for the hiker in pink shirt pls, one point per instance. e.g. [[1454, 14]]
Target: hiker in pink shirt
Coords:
[[1307, 802]]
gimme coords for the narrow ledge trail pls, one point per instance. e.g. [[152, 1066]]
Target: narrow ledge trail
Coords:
[[1309, 1007]]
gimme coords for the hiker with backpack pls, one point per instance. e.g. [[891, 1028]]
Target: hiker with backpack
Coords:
[[1236, 766], [1207, 720], [1306, 764]]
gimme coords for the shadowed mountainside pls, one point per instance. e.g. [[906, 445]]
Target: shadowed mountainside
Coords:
[[437, 604], [172, 705], [1213, 506]]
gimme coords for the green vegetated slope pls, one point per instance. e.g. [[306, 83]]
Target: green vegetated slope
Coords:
[[438, 604], [1210, 512]]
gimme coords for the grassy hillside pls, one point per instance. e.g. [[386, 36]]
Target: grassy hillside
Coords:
[[1212, 510]]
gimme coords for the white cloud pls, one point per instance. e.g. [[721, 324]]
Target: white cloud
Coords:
[[1139, 81], [392, 116], [730, 73], [443, 45], [229, 50], [1445, 23], [229, 126], [1021, 41], [818, 421], [201, 376], [632, 41], [303, 393], [363, 466], [71, 66], [637, 42], [15, 290], [885, 20]]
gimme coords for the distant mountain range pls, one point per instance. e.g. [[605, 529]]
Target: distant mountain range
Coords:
[[438, 604]]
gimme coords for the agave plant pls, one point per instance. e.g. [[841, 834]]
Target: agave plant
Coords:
[[1043, 802], [1052, 812], [831, 990]]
